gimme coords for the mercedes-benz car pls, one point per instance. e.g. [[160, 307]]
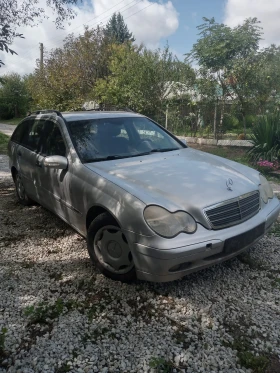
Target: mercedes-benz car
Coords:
[[149, 206]]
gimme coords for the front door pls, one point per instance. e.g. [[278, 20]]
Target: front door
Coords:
[[50, 181]]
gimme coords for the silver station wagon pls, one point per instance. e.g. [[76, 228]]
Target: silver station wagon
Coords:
[[149, 206]]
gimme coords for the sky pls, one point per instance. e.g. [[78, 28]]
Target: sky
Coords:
[[153, 22]]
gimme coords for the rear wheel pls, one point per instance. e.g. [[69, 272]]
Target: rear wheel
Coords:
[[20, 191], [109, 250]]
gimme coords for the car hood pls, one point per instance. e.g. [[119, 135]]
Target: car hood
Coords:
[[187, 179]]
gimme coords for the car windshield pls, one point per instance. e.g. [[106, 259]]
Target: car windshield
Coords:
[[114, 138]]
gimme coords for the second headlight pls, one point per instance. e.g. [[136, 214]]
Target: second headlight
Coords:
[[169, 224]]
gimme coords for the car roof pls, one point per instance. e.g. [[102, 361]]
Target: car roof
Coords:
[[84, 115]]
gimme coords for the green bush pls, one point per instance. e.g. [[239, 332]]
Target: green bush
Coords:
[[6, 111], [250, 120], [230, 122], [266, 138]]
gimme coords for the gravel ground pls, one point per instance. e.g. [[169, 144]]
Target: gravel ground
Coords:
[[58, 314], [8, 129]]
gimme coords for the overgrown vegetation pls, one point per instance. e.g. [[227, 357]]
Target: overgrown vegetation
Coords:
[[161, 365], [14, 96], [266, 138], [44, 313], [247, 359], [233, 153], [4, 139]]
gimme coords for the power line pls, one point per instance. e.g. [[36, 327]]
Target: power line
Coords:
[[89, 20], [109, 16], [95, 24], [105, 18], [140, 10]]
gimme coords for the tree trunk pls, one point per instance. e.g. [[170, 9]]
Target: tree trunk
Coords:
[[222, 113], [244, 123]]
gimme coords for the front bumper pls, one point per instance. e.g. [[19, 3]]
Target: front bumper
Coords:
[[168, 264]]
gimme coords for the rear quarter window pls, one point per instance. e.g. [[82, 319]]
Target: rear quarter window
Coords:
[[21, 129]]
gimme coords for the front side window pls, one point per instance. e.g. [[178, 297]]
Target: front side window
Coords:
[[53, 143], [111, 138]]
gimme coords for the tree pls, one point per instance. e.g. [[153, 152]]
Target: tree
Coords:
[[69, 73], [117, 30], [14, 98], [142, 79], [6, 37], [266, 82], [228, 54], [15, 13]]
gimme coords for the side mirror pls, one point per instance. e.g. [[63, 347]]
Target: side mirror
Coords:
[[56, 161]]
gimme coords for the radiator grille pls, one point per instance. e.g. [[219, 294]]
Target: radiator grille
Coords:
[[233, 211]]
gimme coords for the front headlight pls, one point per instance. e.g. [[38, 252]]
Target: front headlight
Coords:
[[168, 224], [266, 191]]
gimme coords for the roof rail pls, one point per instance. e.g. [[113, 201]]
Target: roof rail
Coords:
[[119, 109], [46, 111]]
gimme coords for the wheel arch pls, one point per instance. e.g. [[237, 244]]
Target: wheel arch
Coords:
[[95, 211]]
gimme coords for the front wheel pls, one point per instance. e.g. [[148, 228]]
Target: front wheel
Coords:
[[20, 190], [109, 250]]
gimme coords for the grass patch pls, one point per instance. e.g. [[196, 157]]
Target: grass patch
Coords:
[[247, 359], [246, 258], [44, 313], [275, 230], [275, 282], [4, 139], [14, 121], [233, 153], [161, 365], [258, 364]]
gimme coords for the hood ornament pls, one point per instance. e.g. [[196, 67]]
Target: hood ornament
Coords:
[[229, 184]]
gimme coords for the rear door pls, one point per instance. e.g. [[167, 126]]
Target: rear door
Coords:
[[26, 153], [51, 182]]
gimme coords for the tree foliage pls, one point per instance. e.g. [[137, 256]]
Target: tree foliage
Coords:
[[69, 73], [141, 78], [16, 13], [231, 56], [14, 97], [117, 30]]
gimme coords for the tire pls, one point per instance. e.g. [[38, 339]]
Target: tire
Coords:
[[20, 191], [109, 249]]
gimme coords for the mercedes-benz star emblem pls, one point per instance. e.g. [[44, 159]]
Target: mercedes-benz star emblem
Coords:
[[229, 183]]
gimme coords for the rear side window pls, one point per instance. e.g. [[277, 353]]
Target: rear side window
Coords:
[[21, 130], [32, 136]]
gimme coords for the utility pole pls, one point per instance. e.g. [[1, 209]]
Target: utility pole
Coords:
[[41, 56], [166, 116]]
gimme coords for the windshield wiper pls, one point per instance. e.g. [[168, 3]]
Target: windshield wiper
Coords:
[[112, 157], [109, 158], [162, 150]]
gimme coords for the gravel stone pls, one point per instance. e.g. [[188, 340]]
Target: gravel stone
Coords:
[[62, 315]]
